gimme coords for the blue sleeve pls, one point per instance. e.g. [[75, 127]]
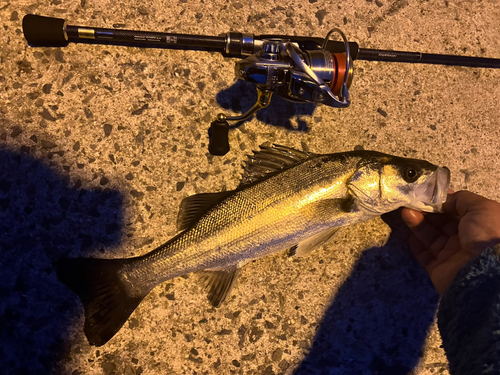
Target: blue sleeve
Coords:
[[469, 317]]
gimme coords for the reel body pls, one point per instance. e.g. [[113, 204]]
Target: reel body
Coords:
[[271, 69]]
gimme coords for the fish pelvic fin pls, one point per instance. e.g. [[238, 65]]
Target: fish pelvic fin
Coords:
[[106, 299], [219, 283]]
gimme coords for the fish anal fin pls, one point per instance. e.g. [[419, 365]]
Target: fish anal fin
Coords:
[[312, 243], [192, 208], [219, 283]]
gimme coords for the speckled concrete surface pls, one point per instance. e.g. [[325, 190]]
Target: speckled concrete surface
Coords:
[[99, 144]]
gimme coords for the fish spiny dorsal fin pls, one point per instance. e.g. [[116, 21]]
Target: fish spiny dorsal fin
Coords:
[[312, 243], [271, 159], [192, 208], [219, 283]]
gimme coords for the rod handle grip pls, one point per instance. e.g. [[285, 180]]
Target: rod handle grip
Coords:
[[42, 31]]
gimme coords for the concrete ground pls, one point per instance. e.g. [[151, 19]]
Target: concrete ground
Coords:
[[99, 144]]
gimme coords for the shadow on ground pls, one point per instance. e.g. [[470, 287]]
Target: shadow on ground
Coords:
[[43, 219], [241, 96], [378, 322]]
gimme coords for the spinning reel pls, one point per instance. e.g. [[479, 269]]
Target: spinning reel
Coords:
[[305, 76]]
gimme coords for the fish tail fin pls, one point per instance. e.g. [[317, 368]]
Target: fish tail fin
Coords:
[[104, 294]]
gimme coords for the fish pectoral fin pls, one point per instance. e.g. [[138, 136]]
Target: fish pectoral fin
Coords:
[[312, 243], [219, 283], [334, 210], [192, 208], [330, 209]]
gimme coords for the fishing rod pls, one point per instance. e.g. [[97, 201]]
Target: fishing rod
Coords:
[[300, 69]]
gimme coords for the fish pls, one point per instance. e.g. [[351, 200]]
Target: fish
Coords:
[[287, 200]]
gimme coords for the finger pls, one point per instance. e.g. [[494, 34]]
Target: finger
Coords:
[[437, 220], [449, 252], [459, 203], [447, 224], [412, 217], [451, 227], [423, 230], [416, 246], [445, 255], [438, 245], [419, 250]]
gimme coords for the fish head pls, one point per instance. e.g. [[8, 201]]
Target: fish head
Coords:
[[385, 183]]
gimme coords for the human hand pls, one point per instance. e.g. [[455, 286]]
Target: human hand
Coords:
[[444, 243]]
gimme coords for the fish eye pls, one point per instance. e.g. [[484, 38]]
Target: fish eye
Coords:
[[410, 174]]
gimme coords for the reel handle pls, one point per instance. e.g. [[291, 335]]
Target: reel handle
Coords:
[[218, 135]]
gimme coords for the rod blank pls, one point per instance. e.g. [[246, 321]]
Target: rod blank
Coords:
[[427, 58], [54, 32]]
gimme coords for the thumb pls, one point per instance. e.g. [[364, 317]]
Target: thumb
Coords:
[[461, 202]]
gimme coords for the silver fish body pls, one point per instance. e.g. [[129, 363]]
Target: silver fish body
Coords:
[[288, 199]]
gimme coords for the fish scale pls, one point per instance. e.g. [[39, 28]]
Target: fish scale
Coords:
[[253, 222]]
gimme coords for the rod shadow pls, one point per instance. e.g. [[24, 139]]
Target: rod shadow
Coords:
[[378, 322], [42, 219], [241, 96]]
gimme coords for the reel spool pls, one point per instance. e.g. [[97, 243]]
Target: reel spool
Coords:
[[311, 76], [331, 68]]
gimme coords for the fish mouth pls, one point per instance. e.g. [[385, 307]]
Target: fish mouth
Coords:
[[441, 187], [430, 196]]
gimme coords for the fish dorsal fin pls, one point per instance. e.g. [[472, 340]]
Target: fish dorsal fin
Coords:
[[271, 159], [192, 208], [219, 283], [312, 243]]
